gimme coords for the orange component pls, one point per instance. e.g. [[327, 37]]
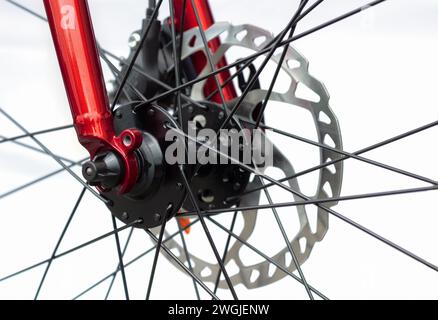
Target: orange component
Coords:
[[184, 222]]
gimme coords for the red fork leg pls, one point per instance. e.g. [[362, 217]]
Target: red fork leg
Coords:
[[74, 40], [199, 59]]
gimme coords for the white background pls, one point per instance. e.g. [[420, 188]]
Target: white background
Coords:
[[380, 69]]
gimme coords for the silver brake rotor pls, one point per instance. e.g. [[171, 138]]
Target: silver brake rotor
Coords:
[[327, 179]]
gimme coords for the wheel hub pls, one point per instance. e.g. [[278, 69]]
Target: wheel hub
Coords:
[[158, 192], [215, 183]]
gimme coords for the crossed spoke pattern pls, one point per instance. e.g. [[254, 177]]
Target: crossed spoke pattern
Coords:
[[281, 41]]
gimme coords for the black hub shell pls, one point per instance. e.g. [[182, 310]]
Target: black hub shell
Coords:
[[213, 184], [159, 192]]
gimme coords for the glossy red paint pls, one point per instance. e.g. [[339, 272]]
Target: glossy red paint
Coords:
[[75, 44], [199, 59]]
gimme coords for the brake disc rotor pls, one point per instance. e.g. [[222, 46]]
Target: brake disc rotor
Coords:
[[326, 179], [214, 184]]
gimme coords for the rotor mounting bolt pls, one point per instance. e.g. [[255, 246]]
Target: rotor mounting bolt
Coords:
[[157, 217]]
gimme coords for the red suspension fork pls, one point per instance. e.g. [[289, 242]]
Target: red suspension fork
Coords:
[[75, 45], [199, 59]]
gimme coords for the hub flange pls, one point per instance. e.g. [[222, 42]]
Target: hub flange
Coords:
[[159, 190]]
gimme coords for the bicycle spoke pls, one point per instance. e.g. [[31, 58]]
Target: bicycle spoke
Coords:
[[117, 72], [252, 57], [208, 55], [102, 237], [264, 256], [336, 20], [157, 254], [286, 42], [27, 10], [76, 206], [44, 19], [41, 179], [256, 76], [133, 88], [95, 285], [59, 161], [149, 77], [207, 233], [175, 91], [152, 17], [186, 253], [17, 273], [359, 152], [29, 135], [120, 256], [315, 201], [155, 261], [177, 57], [347, 154], [247, 62], [289, 246], [119, 266], [113, 70], [83, 245], [306, 198], [182, 265], [270, 50], [28, 146], [224, 256], [134, 260], [275, 77]]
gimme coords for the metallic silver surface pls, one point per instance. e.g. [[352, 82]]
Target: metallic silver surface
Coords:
[[296, 67]]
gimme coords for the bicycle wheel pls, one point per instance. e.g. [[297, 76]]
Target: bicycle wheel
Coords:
[[242, 160]]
